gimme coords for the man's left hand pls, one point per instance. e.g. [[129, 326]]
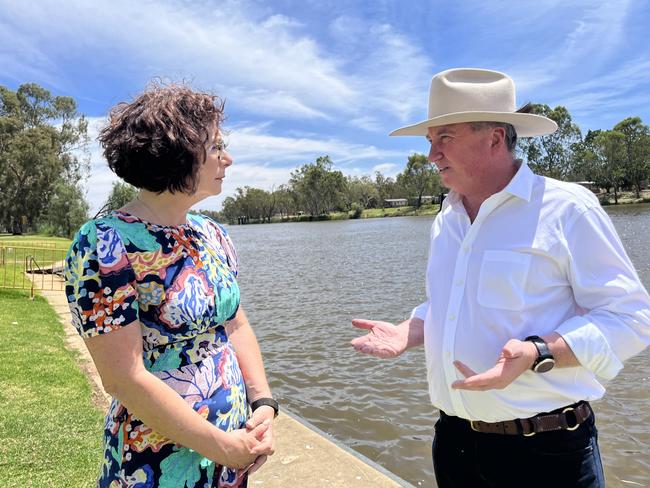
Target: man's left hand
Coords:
[[516, 357]]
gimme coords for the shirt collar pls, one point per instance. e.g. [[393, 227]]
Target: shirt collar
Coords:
[[520, 186]]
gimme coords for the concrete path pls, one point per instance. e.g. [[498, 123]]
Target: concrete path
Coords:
[[304, 456]]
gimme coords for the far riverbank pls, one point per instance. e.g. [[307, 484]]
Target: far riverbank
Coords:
[[606, 199]]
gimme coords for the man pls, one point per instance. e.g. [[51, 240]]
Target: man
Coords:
[[532, 303]]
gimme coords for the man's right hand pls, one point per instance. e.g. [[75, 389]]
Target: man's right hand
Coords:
[[384, 340]]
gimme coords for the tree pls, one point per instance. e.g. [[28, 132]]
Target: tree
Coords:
[[552, 155], [610, 152], [286, 201], [260, 203], [637, 158], [42, 146], [67, 211], [360, 190], [319, 187], [419, 178], [386, 188], [230, 210], [121, 194]]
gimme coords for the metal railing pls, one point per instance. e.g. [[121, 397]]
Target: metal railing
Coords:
[[31, 267]]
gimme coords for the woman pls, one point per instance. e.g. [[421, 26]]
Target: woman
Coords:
[[153, 291]]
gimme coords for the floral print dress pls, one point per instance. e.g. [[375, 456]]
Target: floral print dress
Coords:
[[179, 283]]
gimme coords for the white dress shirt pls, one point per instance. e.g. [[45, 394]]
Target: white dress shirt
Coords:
[[541, 256]]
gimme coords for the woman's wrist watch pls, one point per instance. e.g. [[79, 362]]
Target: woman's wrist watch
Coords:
[[545, 360], [266, 402]]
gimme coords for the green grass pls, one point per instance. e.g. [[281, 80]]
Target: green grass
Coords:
[[31, 240], [369, 213], [50, 433], [424, 210], [14, 249]]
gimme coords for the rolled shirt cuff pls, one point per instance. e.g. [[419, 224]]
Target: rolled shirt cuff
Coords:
[[420, 311], [591, 347]]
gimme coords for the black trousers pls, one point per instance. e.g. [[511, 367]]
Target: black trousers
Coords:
[[463, 458]]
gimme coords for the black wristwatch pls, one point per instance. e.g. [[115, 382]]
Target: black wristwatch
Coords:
[[545, 360], [268, 402]]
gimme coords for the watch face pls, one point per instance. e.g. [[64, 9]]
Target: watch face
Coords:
[[544, 365]]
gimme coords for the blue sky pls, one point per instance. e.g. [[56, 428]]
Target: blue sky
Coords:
[[307, 78]]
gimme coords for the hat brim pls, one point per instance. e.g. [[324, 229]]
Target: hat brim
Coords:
[[526, 125]]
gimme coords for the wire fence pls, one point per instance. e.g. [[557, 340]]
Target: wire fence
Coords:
[[31, 267]]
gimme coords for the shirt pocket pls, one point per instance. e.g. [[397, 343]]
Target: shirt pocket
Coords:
[[502, 279]]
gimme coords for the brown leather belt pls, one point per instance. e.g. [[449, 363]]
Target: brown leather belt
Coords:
[[567, 418]]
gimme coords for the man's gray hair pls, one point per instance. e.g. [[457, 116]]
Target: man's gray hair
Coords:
[[511, 133]]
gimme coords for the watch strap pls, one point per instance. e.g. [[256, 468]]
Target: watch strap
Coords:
[[266, 402], [545, 360]]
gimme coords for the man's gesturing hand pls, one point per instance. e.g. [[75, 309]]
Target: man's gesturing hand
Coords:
[[516, 357], [384, 340]]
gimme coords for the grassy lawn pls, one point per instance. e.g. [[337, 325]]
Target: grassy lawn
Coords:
[[14, 249], [424, 210], [50, 433], [368, 213], [35, 240]]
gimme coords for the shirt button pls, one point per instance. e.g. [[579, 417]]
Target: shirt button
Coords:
[[447, 354], [466, 249], [458, 282], [452, 317]]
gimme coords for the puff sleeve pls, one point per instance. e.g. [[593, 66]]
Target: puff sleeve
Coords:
[[100, 282]]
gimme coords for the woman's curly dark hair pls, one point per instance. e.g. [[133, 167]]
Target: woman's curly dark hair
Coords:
[[157, 141]]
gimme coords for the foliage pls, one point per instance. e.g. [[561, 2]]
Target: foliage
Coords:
[[360, 192], [67, 211], [286, 201], [552, 155], [419, 178], [42, 147], [386, 188], [250, 204], [121, 194], [610, 150], [636, 140], [319, 188]]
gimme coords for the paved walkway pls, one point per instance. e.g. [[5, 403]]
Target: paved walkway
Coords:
[[304, 457]]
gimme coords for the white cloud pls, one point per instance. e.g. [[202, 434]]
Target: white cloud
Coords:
[[595, 37], [263, 63], [213, 46], [387, 169], [272, 104], [391, 72]]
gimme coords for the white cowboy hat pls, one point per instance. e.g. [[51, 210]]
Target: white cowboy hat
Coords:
[[476, 95]]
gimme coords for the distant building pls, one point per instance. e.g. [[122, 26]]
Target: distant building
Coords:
[[396, 202]]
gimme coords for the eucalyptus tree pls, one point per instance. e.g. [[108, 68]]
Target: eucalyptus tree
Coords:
[[610, 150], [386, 188], [552, 155], [419, 178], [42, 146], [318, 186], [360, 190], [637, 156]]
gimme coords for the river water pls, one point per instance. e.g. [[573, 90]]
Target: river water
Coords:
[[301, 285]]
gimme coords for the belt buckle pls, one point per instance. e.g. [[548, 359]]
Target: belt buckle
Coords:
[[569, 409], [471, 424], [532, 428]]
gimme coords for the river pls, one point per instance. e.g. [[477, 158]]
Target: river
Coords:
[[302, 283]]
